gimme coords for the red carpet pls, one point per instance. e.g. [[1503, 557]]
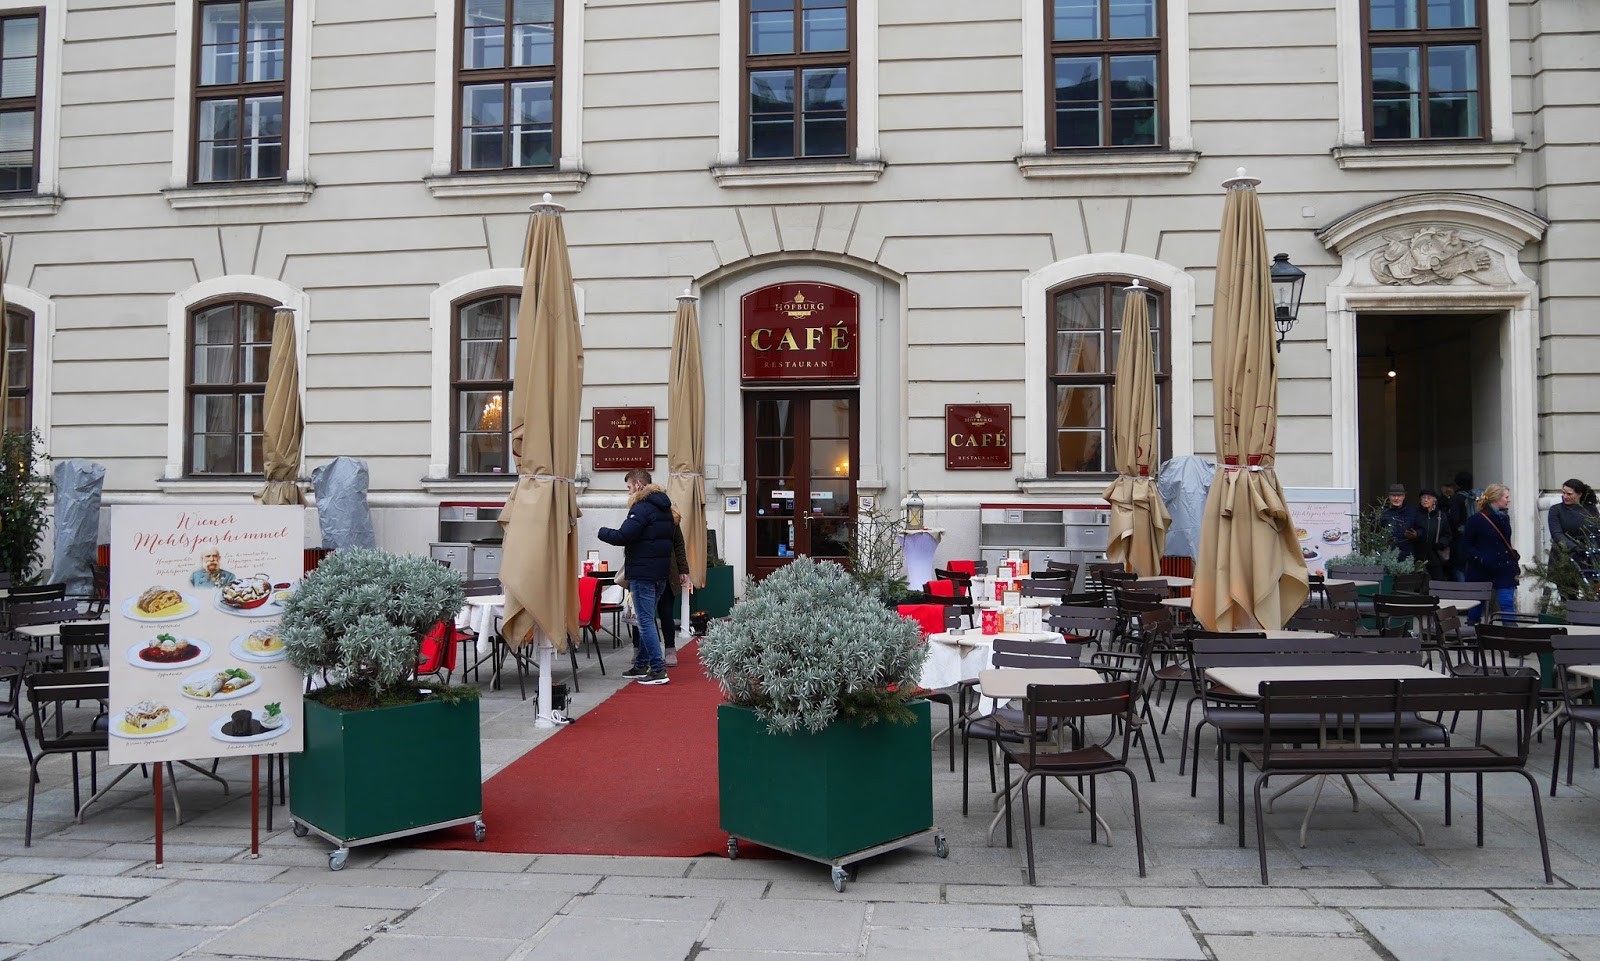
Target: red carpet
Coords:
[[635, 776]]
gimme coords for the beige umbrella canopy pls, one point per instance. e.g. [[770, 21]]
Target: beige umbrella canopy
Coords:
[[5, 344], [686, 441], [539, 561], [1139, 521], [1250, 573], [284, 428]]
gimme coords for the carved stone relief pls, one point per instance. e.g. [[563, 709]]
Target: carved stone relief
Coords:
[[1430, 255]]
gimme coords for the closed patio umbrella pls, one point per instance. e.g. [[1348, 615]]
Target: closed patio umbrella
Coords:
[[686, 440], [284, 428], [539, 560], [5, 344], [1139, 520], [1250, 573]]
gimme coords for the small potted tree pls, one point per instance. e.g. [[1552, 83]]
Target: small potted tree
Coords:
[[384, 755], [823, 749]]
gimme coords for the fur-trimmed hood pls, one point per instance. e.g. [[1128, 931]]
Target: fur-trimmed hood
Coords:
[[644, 492]]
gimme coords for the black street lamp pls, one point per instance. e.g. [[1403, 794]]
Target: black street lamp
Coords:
[[1287, 283]]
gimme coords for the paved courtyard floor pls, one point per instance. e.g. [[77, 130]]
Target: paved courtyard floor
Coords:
[[1361, 889]]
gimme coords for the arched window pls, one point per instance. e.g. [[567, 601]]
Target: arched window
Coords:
[[484, 346], [229, 345], [19, 369], [1083, 335]]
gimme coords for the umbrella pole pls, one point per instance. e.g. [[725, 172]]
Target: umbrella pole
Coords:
[[546, 650]]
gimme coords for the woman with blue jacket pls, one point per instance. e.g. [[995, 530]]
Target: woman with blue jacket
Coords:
[[1487, 544]]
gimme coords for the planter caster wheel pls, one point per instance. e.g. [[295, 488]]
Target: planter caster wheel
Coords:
[[941, 847], [479, 831], [336, 859], [733, 849], [300, 830], [839, 877]]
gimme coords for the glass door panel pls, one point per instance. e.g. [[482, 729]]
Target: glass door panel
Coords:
[[800, 476]]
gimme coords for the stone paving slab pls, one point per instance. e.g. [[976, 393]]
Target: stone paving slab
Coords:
[[35, 918], [1559, 898], [1404, 898], [301, 931], [394, 899], [715, 955], [1568, 921], [501, 881], [1256, 948], [1220, 897], [393, 947], [430, 860], [1277, 920], [10, 882], [608, 939], [641, 908], [215, 903], [1000, 894], [251, 872], [901, 915], [102, 887], [121, 942], [821, 888], [1094, 932], [55, 865], [686, 887], [1584, 949], [1452, 935], [901, 944], [818, 926], [484, 914]]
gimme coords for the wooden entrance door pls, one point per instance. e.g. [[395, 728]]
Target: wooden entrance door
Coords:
[[801, 455]]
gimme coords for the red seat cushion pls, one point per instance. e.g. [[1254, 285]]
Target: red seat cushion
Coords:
[[962, 567], [941, 588], [930, 617], [586, 605], [439, 653]]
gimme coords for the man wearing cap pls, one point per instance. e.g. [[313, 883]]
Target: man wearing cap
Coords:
[[1402, 522]]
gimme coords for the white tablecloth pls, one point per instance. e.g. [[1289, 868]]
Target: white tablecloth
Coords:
[[481, 614], [953, 658]]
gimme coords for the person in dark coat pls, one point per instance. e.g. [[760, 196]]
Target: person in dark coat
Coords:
[[1401, 520], [1435, 534], [1575, 526], [1460, 505], [678, 582], [646, 539], [1487, 543]]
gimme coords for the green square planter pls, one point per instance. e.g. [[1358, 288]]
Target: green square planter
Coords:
[[825, 795], [387, 771], [716, 598]]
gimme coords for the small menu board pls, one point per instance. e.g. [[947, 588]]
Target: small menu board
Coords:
[[1323, 519], [197, 666]]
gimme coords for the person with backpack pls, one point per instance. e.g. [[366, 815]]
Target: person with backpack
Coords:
[[1460, 506], [1490, 556]]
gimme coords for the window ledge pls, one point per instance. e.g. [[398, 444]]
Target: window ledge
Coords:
[[1057, 486], [797, 174], [488, 486], [207, 486], [1126, 163], [30, 205], [504, 184], [1392, 156], [238, 195]]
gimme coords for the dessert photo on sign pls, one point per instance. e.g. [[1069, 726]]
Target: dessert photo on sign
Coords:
[[159, 603]]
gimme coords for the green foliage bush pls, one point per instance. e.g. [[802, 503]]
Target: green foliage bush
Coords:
[[807, 646], [24, 489], [359, 618], [1370, 545]]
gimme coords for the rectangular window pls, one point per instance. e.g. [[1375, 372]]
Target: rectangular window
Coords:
[[797, 90], [1084, 336], [241, 91], [507, 68], [229, 346], [19, 370], [1424, 61], [1106, 70], [485, 348], [21, 57]]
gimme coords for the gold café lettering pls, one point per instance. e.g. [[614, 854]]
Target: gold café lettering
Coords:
[[608, 442], [764, 339], [997, 439]]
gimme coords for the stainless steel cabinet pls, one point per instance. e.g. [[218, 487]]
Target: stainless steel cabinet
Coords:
[[1071, 534]]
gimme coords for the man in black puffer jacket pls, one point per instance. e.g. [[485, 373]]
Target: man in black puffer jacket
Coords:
[[646, 539]]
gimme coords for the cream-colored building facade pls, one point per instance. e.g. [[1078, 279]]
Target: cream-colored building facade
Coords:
[[1471, 266]]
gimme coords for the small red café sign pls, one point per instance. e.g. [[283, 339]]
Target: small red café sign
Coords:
[[800, 332], [977, 437], [624, 438]]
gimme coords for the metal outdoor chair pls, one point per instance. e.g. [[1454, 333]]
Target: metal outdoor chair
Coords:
[[1048, 708], [1583, 612], [60, 729], [13, 664], [1569, 651]]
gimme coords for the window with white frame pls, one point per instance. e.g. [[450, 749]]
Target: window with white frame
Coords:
[[19, 369], [508, 77], [230, 344], [21, 77], [485, 347], [241, 91], [1107, 69]]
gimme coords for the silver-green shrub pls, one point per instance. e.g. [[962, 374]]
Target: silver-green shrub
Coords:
[[808, 646], [359, 618]]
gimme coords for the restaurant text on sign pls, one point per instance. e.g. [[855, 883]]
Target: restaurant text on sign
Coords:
[[800, 331]]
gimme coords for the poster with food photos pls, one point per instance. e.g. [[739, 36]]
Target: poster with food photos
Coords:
[[1323, 519], [197, 666]]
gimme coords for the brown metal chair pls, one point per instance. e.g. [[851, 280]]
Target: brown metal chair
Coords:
[[1569, 651], [62, 725], [1050, 707]]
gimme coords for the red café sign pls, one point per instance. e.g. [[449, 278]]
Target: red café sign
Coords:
[[624, 438], [977, 437], [800, 332]]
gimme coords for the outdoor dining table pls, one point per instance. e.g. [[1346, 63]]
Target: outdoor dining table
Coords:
[[953, 658], [1248, 681], [40, 632], [1010, 683], [1170, 581], [1024, 600]]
